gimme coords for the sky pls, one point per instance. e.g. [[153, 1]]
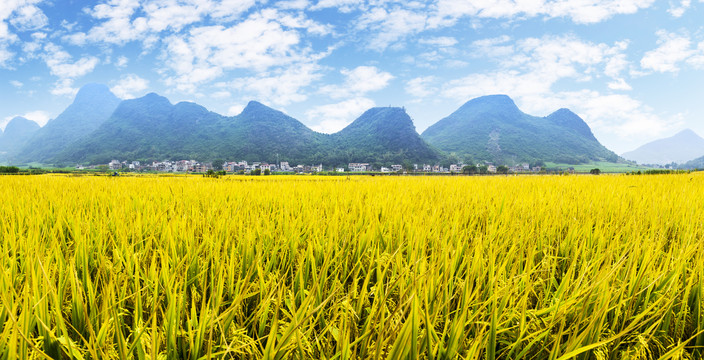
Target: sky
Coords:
[[632, 69]]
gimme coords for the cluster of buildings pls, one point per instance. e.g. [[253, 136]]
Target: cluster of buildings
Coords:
[[284, 166], [246, 167], [162, 166]]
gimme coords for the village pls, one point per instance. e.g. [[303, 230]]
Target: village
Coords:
[[244, 167]]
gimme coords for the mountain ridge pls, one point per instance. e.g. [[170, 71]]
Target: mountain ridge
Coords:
[[152, 128], [492, 128]]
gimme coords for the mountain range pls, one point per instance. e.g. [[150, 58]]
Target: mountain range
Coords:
[[99, 127], [680, 148], [493, 128]]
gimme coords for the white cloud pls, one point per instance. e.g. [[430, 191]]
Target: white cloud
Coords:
[[29, 18], [391, 26], [344, 6], [421, 87], [678, 9], [228, 10], [123, 21], [698, 59], [5, 56], [579, 11], [280, 87], [118, 26], [38, 116], [673, 49], [23, 15], [60, 63], [128, 85], [358, 81], [594, 11], [440, 41], [263, 41], [292, 4], [64, 87], [121, 62], [390, 22], [235, 110], [332, 118], [619, 84], [173, 15], [544, 61]]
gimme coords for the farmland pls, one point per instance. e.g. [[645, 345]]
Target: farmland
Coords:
[[533, 267]]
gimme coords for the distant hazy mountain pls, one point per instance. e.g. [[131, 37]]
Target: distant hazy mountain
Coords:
[[680, 148], [16, 134], [93, 104], [697, 163], [151, 128], [492, 128]]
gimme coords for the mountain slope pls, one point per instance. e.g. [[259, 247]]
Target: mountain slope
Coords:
[[259, 133], [384, 135], [17, 132], [146, 128], [492, 128], [151, 128], [680, 148], [93, 104]]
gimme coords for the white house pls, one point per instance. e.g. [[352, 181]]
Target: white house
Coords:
[[357, 167]]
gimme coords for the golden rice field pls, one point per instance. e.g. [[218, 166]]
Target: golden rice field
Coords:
[[277, 267]]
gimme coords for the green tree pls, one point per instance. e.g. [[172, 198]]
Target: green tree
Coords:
[[595, 171], [502, 169], [9, 169], [470, 170]]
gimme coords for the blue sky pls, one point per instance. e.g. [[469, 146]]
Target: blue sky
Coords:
[[633, 69]]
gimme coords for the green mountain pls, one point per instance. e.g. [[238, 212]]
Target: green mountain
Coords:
[[492, 128], [92, 106], [151, 128], [16, 134], [148, 128], [261, 133], [383, 135]]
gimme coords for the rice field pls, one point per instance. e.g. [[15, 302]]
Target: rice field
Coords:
[[279, 267]]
